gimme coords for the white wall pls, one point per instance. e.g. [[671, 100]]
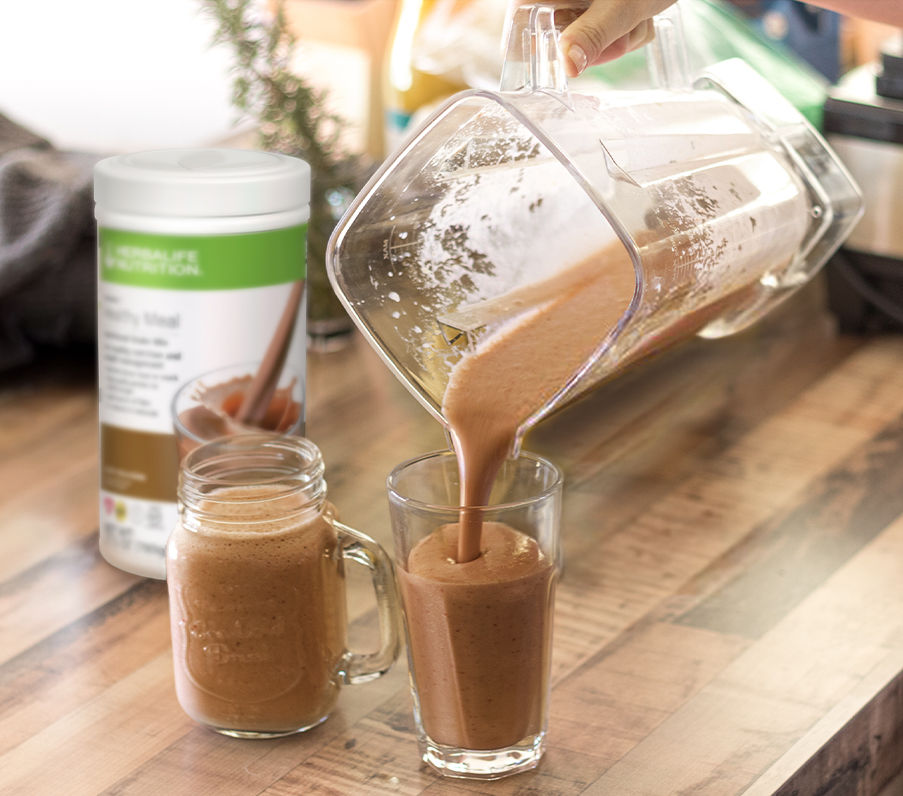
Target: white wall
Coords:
[[114, 75]]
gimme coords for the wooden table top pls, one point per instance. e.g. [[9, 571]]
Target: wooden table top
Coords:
[[730, 618]]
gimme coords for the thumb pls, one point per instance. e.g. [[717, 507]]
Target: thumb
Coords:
[[607, 30]]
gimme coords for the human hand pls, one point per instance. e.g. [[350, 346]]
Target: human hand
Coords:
[[607, 30]]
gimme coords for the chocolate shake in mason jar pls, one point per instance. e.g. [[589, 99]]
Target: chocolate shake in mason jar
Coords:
[[255, 570]]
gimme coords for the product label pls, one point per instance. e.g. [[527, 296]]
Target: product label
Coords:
[[186, 262], [185, 323]]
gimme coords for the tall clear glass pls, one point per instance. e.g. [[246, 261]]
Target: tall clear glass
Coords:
[[479, 633]]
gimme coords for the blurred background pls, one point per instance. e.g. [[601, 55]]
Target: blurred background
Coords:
[[83, 80], [114, 75], [119, 75]]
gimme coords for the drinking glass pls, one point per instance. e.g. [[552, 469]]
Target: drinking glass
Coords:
[[479, 633]]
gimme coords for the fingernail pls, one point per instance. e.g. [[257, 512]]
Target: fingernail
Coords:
[[577, 58]]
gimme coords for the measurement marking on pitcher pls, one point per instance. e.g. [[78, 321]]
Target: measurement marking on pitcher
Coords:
[[399, 240], [391, 249]]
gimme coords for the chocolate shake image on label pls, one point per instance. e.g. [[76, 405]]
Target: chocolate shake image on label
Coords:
[[201, 312], [242, 399]]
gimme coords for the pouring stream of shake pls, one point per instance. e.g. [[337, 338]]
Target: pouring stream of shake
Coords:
[[494, 389]]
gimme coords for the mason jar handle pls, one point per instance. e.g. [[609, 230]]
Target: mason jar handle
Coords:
[[534, 60], [358, 547]]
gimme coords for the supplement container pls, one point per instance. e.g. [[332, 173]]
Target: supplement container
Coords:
[[201, 323]]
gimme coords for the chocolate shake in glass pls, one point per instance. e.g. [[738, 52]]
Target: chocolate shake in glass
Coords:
[[480, 631]]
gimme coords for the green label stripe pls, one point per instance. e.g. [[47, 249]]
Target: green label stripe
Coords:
[[203, 262]]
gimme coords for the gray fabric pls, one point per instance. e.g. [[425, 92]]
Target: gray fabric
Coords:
[[48, 292]]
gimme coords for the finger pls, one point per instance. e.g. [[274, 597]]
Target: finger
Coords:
[[641, 35], [607, 24]]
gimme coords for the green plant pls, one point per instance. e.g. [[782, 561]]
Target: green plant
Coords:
[[292, 118]]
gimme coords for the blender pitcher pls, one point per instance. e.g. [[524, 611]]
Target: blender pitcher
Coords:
[[704, 204]]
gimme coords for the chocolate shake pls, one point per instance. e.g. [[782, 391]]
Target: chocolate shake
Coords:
[[480, 636], [478, 596], [255, 407], [492, 391], [257, 610], [249, 402], [215, 406], [517, 369]]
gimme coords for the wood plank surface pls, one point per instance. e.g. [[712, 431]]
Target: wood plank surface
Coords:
[[729, 621]]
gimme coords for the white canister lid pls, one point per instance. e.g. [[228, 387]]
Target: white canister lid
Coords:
[[201, 183]]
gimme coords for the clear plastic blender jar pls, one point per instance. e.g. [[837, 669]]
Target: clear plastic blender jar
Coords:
[[706, 202]]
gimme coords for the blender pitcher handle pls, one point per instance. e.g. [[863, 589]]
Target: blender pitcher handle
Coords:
[[361, 667], [667, 53], [533, 57], [534, 60]]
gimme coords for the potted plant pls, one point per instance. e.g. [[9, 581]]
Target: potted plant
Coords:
[[292, 117]]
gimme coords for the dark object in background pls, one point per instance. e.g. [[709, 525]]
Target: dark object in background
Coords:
[[48, 293], [863, 121], [812, 33]]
